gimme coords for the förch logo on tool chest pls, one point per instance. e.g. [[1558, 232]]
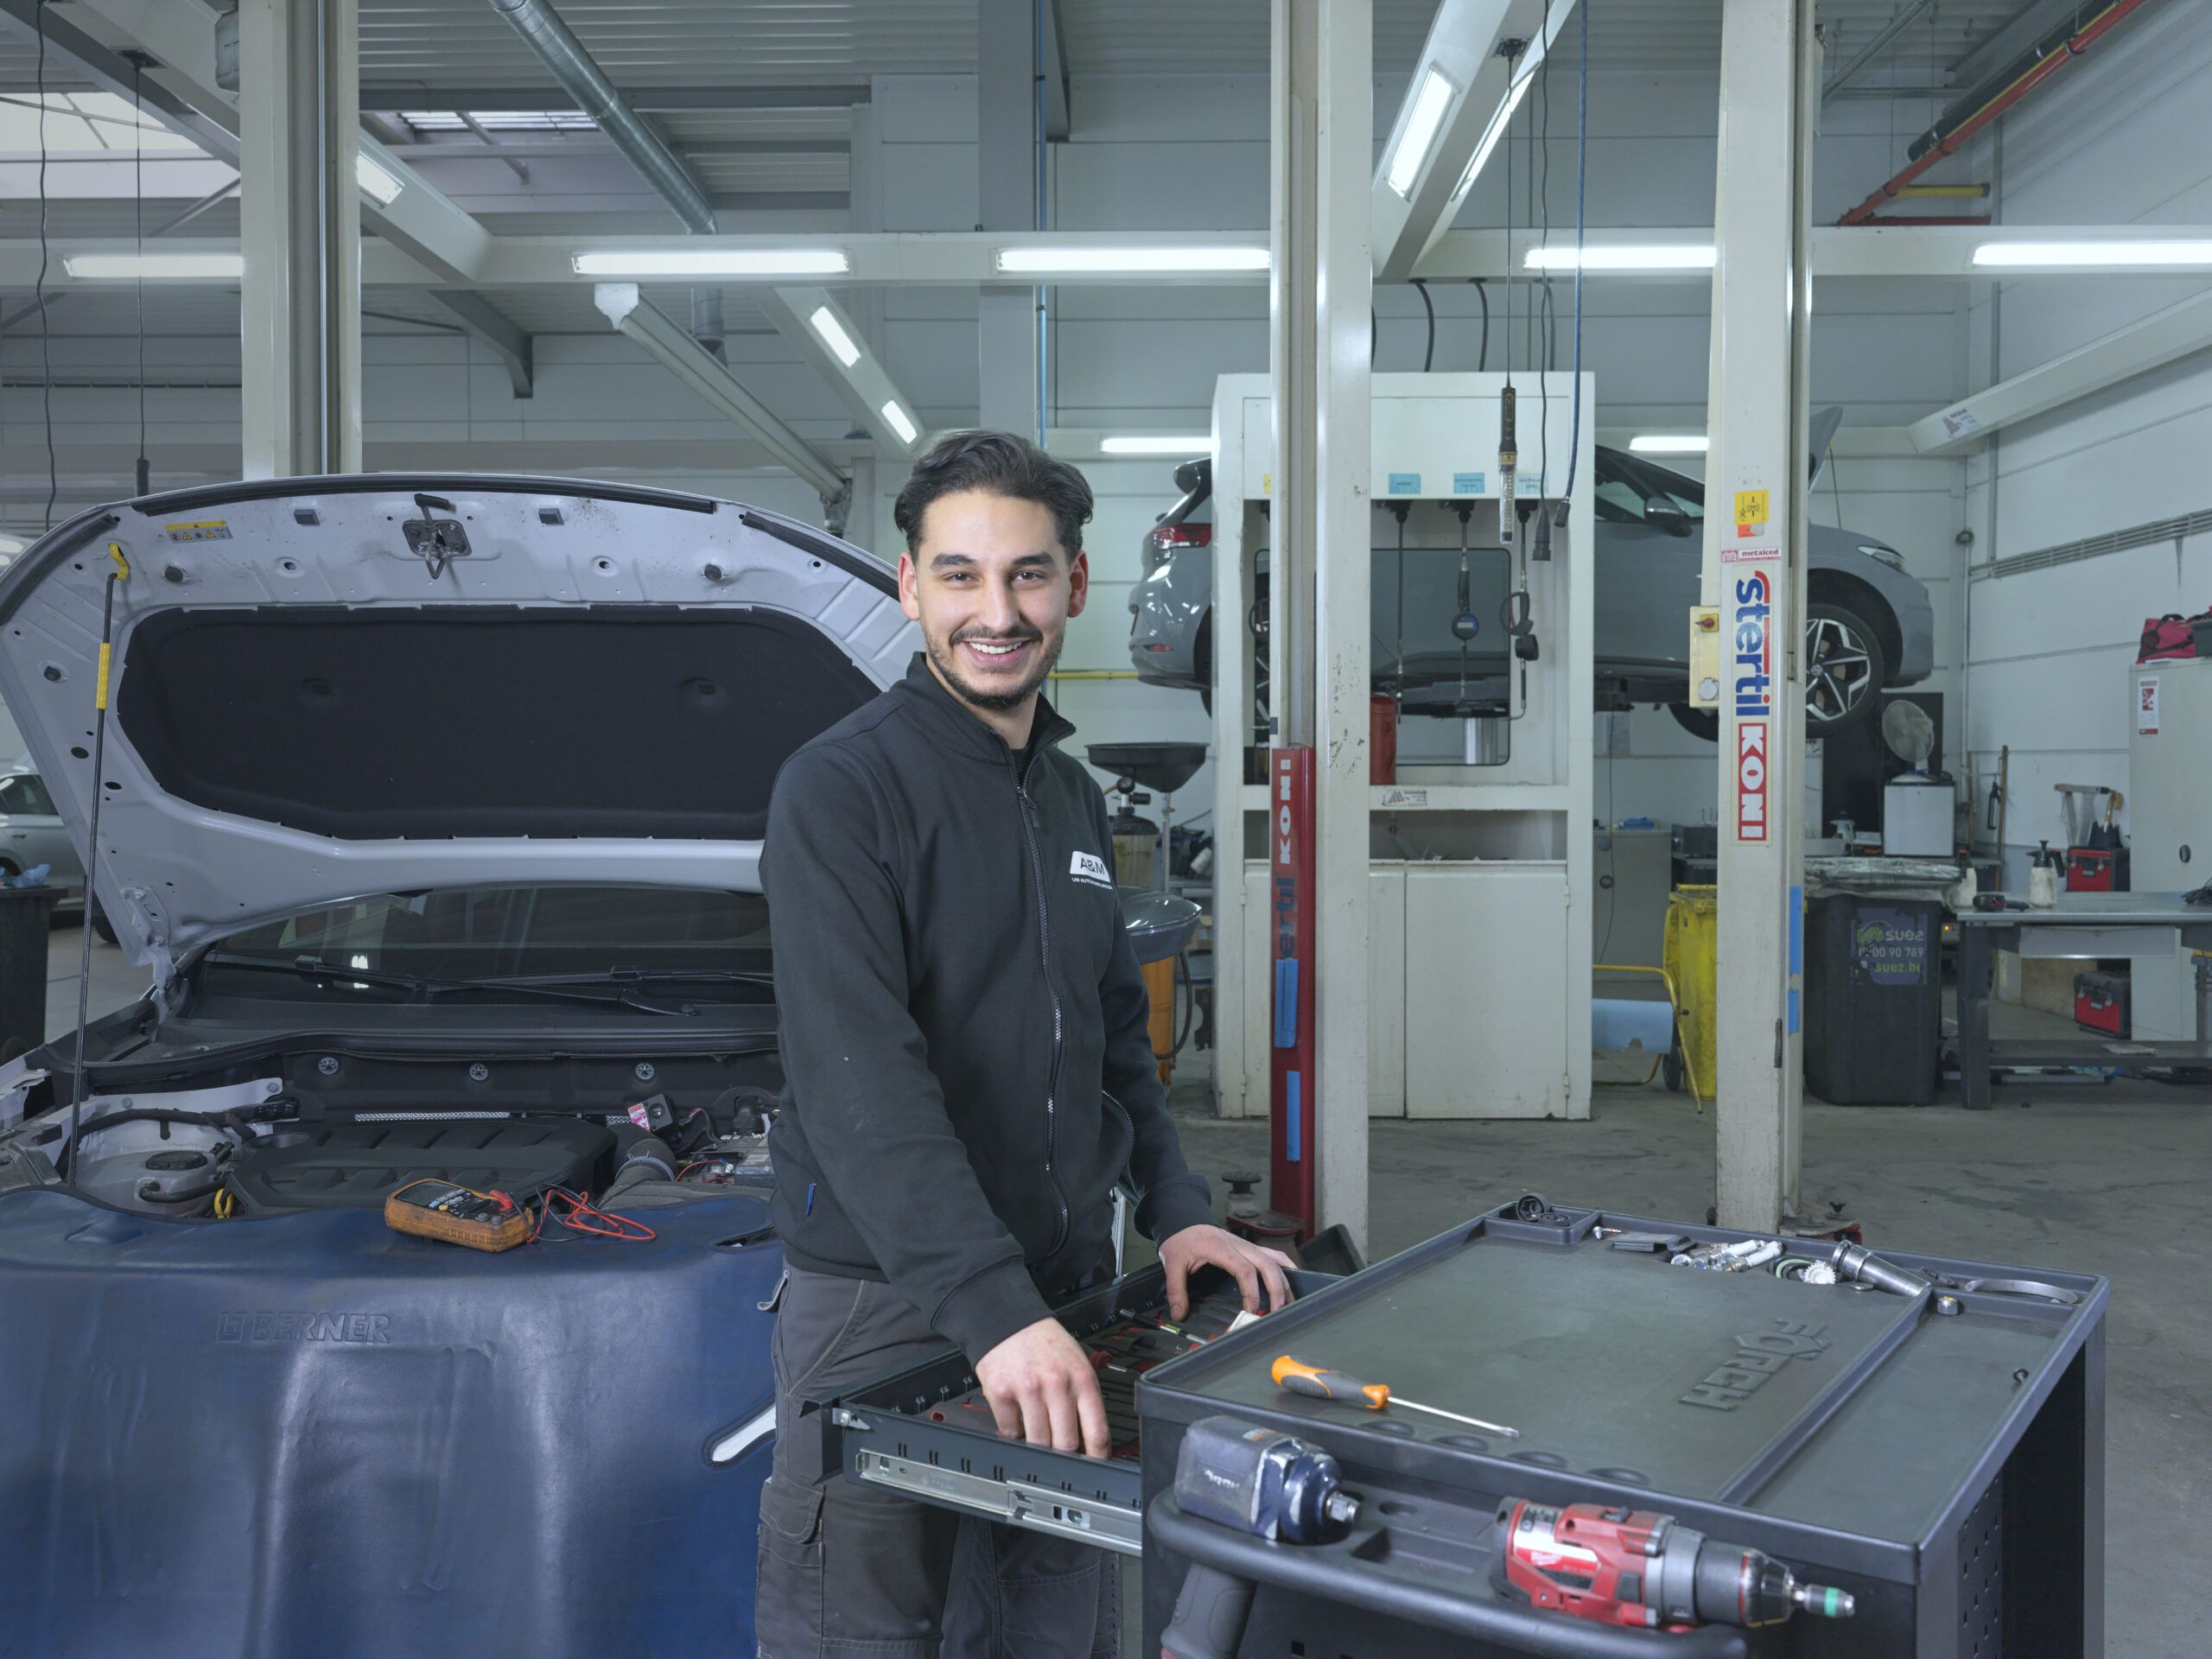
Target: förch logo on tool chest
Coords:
[[1759, 1354], [268, 1325]]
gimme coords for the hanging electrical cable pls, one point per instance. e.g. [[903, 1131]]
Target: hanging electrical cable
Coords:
[[1482, 295], [38, 292], [144, 473], [1428, 353], [1581, 186]]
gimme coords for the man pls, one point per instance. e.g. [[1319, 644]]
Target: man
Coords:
[[968, 1073]]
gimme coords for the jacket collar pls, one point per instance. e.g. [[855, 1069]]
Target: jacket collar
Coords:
[[948, 715]]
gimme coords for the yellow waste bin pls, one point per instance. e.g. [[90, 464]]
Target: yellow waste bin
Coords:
[[1689, 958]]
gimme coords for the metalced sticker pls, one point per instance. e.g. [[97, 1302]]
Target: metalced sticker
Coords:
[[1754, 702]]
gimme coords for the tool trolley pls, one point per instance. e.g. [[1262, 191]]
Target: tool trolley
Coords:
[[1935, 1450]]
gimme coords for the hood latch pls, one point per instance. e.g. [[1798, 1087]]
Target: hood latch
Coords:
[[437, 541]]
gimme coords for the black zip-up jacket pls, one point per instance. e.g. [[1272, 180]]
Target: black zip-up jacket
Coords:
[[968, 1066]]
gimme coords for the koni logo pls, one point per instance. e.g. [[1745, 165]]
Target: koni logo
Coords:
[[1754, 702]]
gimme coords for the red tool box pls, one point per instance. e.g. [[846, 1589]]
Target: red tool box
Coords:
[[2101, 1004], [2089, 869]]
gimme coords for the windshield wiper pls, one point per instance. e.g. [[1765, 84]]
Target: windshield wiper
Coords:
[[637, 976], [314, 968]]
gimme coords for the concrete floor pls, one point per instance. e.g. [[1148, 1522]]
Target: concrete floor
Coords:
[[2069, 1175]]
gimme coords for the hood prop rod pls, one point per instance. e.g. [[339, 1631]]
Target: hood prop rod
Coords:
[[120, 574]]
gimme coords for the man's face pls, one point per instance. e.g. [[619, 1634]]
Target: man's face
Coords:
[[993, 590]]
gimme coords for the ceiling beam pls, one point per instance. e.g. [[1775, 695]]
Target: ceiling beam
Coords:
[[393, 97], [967, 259], [110, 71], [1940, 250], [1458, 94], [181, 41], [864, 386], [708, 376], [2016, 35], [489, 324], [2159, 338], [1054, 59], [1900, 19]]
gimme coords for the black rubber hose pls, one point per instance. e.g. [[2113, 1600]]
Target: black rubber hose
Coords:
[[189, 1195], [1428, 353]]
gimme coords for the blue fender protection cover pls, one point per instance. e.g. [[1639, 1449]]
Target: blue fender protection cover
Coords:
[[310, 1435]]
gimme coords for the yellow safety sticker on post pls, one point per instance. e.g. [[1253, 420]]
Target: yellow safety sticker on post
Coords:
[[1751, 512], [99, 692]]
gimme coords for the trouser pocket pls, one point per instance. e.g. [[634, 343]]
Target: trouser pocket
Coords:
[[787, 1604]]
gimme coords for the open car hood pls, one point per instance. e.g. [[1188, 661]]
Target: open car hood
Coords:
[[323, 688]]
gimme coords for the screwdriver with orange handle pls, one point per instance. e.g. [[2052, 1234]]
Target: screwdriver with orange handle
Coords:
[[1300, 1376]]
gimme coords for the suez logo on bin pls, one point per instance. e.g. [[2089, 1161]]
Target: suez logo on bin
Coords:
[[1754, 699], [1758, 1355]]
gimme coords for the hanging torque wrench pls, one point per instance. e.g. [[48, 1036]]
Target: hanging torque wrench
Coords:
[[1645, 1571], [1509, 461]]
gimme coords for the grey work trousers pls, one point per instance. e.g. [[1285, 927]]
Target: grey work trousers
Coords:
[[848, 1569]]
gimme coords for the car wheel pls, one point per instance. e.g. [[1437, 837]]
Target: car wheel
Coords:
[[1698, 722], [1845, 669]]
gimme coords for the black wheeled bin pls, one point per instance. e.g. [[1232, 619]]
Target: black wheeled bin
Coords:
[[1873, 999], [25, 918]]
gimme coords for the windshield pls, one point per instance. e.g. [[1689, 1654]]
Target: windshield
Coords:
[[507, 932], [1625, 483]]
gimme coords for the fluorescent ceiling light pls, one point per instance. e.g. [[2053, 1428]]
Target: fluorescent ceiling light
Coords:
[[1074, 261], [1669, 443], [1169, 444], [901, 422], [1492, 133], [1677, 257], [2030, 254], [714, 262], [824, 322], [213, 267], [1422, 122], [377, 180]]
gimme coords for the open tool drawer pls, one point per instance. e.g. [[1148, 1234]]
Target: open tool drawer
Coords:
[[926, 1432]]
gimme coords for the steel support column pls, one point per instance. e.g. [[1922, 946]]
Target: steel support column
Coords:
[[300, 225], [1005, 200], [1321, 147], [1755, 484]]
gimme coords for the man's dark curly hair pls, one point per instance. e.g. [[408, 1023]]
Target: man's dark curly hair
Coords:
[[998, 463]]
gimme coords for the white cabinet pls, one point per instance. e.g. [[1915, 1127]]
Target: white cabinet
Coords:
[[1482, 1024], [1467, 973], [1386, 990]]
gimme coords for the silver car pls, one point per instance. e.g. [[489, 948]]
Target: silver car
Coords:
[[1869, 626], [32, 834]]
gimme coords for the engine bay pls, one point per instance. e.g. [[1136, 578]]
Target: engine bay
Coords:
[[273, 1144]]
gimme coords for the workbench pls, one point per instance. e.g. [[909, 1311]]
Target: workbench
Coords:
[[2081, 925]]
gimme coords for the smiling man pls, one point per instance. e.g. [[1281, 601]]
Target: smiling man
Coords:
[[968, 1073]]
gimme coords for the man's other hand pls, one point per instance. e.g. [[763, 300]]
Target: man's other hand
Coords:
[[1253, 1265], [1042, 1388]]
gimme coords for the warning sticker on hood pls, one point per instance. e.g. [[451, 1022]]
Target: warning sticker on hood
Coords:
[[208, 530]]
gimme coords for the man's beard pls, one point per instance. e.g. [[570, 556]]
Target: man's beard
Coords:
[[943, 658]]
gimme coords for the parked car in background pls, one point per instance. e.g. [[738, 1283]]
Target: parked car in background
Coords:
[[31, 834], [1869, 628]]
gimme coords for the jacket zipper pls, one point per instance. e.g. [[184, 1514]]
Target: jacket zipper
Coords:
[[1045, 959]]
